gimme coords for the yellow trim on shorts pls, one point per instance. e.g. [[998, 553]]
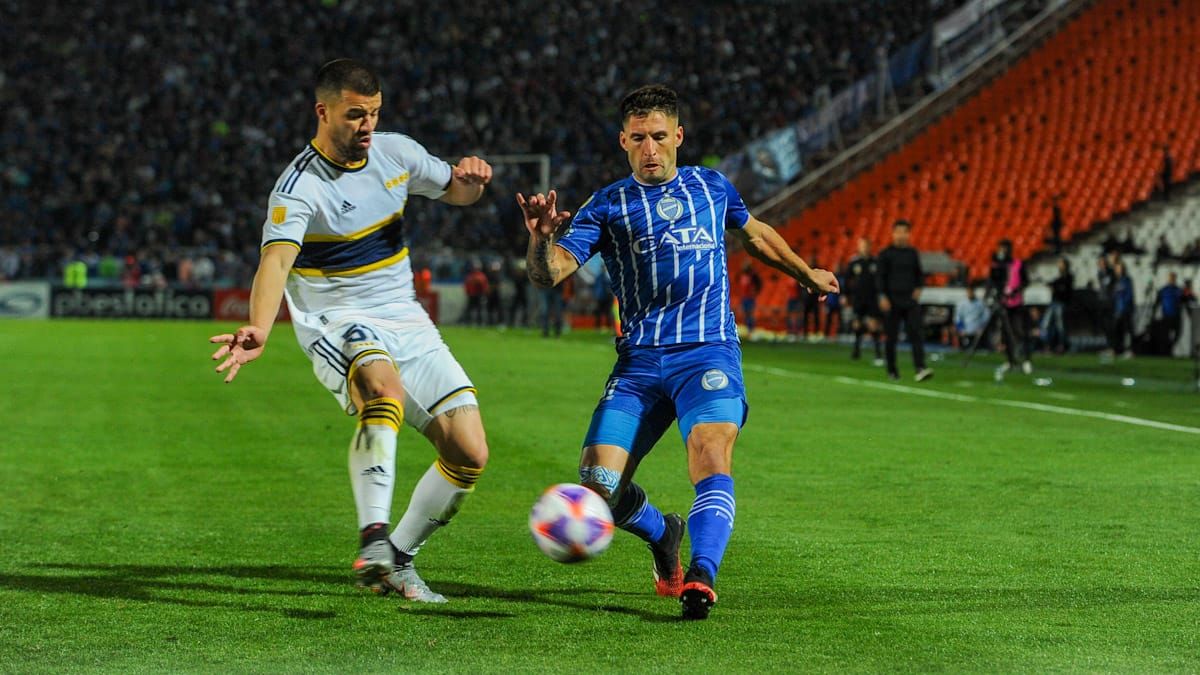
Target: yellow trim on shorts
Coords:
[[449, 397], [359, 234], [352, 271], [350, 372]]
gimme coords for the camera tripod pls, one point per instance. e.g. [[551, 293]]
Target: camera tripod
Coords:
[[998, 314]]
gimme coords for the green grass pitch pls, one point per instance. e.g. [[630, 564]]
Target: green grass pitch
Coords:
[[153, 519]]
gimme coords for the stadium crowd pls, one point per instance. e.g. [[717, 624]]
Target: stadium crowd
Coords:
[[141, 138]]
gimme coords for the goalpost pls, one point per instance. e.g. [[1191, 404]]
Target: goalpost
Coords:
[[542, 161]]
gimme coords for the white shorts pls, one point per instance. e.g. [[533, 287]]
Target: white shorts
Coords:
[[433, 380]]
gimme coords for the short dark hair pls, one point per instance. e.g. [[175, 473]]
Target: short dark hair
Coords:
[[341, 74], [1006, 244], [650, 98], [902, 223]]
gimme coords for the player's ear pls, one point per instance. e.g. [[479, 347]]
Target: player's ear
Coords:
[[622, 140], [322, 111], [678, 135]]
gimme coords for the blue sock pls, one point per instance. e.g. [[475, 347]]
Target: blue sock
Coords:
[[634, 513], [711, 522]]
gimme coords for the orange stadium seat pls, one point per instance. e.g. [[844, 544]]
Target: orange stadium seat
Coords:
[[1084, 116]]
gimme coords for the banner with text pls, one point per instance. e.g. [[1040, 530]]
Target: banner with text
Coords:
[[131, 303], [24, 300]]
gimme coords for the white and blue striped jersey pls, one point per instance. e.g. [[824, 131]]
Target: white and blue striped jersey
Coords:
[[664, 248], [348, 223]]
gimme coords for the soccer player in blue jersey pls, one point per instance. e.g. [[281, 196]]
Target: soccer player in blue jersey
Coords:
[[661, 234]]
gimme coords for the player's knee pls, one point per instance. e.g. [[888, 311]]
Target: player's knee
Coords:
[[475, 452], [710, 448], [375, 387], [378, 379]]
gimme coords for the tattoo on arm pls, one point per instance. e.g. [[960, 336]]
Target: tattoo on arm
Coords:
[[542, 268]]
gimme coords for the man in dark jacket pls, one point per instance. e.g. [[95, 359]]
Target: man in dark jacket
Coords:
[[899, 281]]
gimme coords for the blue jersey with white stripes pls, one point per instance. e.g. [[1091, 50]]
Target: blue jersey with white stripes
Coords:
[[664, 248]]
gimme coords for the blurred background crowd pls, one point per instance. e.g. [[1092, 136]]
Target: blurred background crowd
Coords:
[[146, 153]]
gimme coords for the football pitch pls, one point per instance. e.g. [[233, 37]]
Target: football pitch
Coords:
[[154, 519]]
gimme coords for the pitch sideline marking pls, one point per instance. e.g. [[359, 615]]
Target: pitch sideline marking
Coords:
[[967, 398]]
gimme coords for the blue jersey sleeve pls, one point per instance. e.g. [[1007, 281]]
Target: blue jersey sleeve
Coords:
[[582, 238], [736, 213]]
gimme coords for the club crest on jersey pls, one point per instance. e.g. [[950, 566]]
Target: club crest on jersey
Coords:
[[669, 208], [278, 215], [714, 380]]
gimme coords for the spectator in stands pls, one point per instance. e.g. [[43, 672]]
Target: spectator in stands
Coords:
[[1122, 303], [1110, 243], [970, 318], [1189, 297], [172, 143], [1163, 253], [1055, 240], [899, 280], [131, 277], [749, 285], [1128, 246], [1169, 300], [1054, 327], [477, 287], [1167, 175], [1191, 253]]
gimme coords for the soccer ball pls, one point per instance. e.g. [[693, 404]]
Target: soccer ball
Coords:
[[570, 523]]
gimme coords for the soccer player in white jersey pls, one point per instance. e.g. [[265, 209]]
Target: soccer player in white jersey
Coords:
[[661, 233], [334, 246]]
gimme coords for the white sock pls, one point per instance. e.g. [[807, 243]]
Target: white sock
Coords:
[[435, 500], [373, 460]]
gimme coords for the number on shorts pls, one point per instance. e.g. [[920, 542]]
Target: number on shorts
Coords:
[[357, 333]]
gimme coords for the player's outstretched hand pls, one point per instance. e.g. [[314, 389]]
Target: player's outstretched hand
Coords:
[[473, 171], [824, 282], [542, 216], [238, 349]]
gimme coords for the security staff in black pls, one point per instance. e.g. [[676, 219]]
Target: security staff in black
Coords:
[[900, 280]]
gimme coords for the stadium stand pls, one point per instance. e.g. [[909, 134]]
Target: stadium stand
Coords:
[[161, 127], [1153, 242], [1085, 116]]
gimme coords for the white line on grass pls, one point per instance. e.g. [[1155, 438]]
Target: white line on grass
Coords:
[[967, 398]]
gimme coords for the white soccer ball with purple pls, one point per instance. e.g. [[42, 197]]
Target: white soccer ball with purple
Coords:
[[570, 523]]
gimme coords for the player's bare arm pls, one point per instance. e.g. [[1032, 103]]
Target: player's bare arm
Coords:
[[467, 181], [245, 345], [547, 263], [765, 244]]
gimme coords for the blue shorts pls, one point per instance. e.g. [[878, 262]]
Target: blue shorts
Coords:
[[650, 387]]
